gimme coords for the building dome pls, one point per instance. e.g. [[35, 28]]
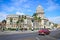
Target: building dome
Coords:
[[39, 9]]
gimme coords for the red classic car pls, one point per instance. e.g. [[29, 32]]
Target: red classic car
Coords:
[[43, 32]]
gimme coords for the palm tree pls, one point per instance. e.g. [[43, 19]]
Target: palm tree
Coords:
[[4, 21], [11, 20], [38, 19], [20, 21], [32, 20], [18, 24], [3, 24], [49, 23], [35, 14], [55, 25], [25, 17]]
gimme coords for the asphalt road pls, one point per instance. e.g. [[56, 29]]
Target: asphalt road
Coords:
[[30, 36], [55, 34], [26, 36]]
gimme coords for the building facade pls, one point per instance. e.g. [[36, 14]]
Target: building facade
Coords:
[[12, 21], [27, 21]]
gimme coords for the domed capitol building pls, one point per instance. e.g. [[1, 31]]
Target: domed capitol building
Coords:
[[25, 21]]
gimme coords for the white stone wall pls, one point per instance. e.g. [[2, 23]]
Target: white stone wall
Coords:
[[14, 20]]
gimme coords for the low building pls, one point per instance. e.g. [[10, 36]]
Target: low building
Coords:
[[12, 21]]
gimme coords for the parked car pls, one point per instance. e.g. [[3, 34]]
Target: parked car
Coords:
[[43, 32]]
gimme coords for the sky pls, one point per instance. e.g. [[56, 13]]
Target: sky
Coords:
[[28, 7]]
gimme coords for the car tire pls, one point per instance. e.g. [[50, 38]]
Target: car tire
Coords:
[[43, 34], [38, 34]]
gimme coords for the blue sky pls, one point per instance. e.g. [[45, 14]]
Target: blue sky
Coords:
[[28, 7]]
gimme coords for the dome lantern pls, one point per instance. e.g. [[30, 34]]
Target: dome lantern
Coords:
[[39, 9]]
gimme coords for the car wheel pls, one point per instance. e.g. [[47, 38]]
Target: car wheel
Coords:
[[38, 34], [43, 34]]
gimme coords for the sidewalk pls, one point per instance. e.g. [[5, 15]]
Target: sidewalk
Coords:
[[16, 32]]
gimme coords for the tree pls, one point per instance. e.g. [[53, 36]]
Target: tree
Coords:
[[25, 17], [49, 23], [11, 20], [20, 21], [35, 14], [17, 22], [4, 21], [32, 20], [3, 24], [37, 19], [55, 25]]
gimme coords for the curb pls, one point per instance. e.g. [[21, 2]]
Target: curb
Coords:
[[15, 32]]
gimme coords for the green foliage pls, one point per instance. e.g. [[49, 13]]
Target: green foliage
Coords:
[[11, 19], [25, 17], [17, 22], [22, 16], [22, 20], [49, 23], [55, 25], [36, 28], [36, 18], [4, 21], [32, 20], [39, 19], [29, 28], [19, 16], [12, 29], [34, 14]]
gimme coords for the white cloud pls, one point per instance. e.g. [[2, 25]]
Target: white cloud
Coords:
[[51, 8], [7, 8], [3, 16], [27, 6], [29, 10], [18, 2], [21, 1], [15, 6], [51, 5], [19, 13], [55, 19]]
